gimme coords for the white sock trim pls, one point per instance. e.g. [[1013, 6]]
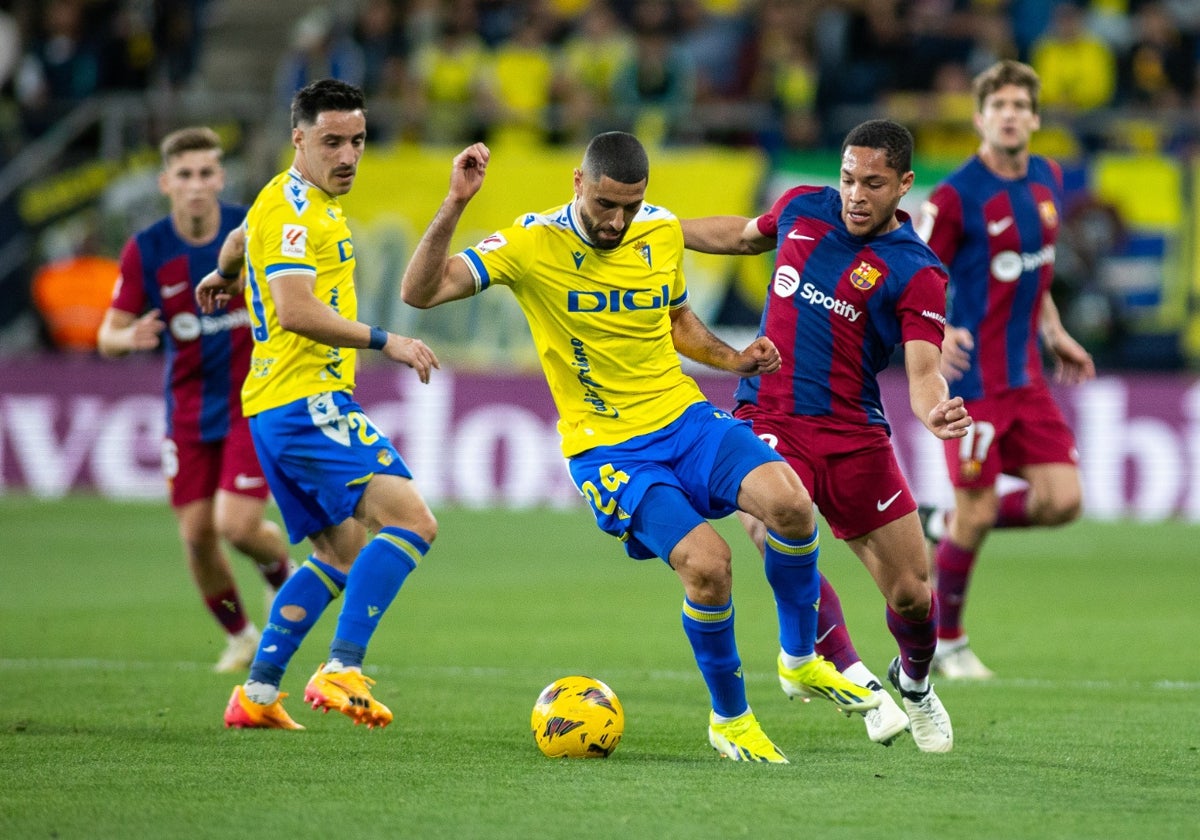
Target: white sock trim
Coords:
[[264, 694], [792, 662], [860, 674]]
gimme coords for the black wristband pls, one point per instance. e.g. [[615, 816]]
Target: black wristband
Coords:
[[225, 276], [379, 337]]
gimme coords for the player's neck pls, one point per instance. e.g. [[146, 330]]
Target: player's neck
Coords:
[[198, 230], [1005, 163]]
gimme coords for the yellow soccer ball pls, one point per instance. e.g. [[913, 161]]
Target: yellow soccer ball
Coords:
[[577, 717]]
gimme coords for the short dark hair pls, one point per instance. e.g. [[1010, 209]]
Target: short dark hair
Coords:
[[192, 139], [618, 155], [893, 138], [325, 95], [1006, 72]]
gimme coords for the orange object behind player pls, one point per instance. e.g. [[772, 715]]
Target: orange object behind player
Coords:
[[72, 295]]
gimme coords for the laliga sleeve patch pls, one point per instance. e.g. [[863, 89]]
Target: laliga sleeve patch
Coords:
[[493, 242], [295, 241]]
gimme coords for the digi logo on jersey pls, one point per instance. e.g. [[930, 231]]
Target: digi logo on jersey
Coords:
[[615, 300], [186, 326]]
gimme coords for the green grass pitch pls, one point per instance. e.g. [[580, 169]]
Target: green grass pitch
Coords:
[[110, 718]]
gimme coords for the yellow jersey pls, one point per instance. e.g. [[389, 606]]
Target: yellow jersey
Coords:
[[600, 319], [294, 226]]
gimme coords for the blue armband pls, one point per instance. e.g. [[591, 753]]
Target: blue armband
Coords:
[[379, 337]]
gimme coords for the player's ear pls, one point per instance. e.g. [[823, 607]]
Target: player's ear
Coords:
[[906, 182]]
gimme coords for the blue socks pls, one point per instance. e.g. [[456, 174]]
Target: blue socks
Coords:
[[710, 630], [297, 607], [791, 569], [375, 579]]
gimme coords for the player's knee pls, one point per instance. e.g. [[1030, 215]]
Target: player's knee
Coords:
[[238, 531], [911, 598], [969, 526], [200, 541], [1059, 510], [706, 572], [791, 518], [426, 527]]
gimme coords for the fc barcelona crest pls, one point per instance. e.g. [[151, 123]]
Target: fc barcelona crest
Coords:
[[1049, 213], [865, 276]]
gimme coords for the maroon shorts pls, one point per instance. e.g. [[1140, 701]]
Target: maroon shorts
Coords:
[[196, 470], [1018, 428], [850, 471]]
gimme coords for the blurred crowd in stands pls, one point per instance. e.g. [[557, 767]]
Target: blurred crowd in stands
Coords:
[[780, 74], [785, 76], [57, 53], [772, 73]]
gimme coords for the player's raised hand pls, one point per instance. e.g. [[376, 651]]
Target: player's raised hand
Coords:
[[412, 352], [761, 356], [214, 291], [957, 345], [470, 166], [949, 419]]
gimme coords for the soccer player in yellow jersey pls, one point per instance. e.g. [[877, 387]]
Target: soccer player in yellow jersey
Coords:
[[601, 284], [331, 470]]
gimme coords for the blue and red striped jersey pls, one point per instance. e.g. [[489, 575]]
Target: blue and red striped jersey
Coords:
[[838, 306], [997, 238], [207, 356]]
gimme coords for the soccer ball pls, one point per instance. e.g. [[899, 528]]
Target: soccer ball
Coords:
[[577, 717]]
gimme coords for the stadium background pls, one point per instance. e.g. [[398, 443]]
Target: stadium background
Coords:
[[757, 98]]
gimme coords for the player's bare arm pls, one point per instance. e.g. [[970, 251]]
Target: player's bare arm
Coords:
[[1072, 363], [232, 256], [122, 333], [300, 311], [697, 342], [735, 235], [928, 393], [432, 277], [226, 280]]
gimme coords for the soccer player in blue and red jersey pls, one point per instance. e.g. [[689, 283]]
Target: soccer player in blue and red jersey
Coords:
[[601, 283], [217, 487], [852, 280], [994, 223]]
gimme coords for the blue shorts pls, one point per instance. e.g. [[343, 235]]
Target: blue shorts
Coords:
[[704, 455], [318, 453]]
